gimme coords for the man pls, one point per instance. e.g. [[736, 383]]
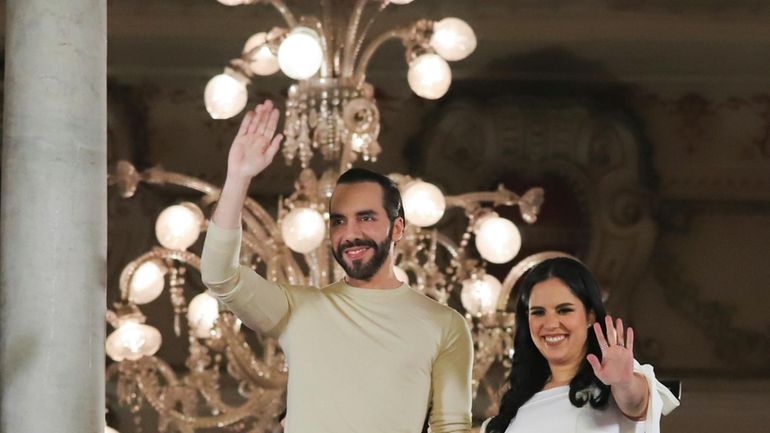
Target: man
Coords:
[[366, 354]]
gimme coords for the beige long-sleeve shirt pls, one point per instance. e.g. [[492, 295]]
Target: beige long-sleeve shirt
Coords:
[[360, 360]]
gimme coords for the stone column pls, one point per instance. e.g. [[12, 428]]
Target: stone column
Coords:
[[53, 218]]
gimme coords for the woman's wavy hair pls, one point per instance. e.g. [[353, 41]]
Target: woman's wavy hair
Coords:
[[530, 371]]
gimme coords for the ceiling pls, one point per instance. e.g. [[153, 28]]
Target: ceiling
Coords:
[[714, 44]]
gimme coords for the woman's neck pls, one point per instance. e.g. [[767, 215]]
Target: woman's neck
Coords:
[[561, 375]]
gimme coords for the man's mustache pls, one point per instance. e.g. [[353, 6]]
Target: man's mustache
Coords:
[[357, 243]]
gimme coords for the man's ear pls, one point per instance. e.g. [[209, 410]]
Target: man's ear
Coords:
[[398, 229]]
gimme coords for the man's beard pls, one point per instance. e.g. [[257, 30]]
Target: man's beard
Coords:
[[361, 270]]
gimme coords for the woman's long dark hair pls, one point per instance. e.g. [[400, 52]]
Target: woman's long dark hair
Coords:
[[530, 370]]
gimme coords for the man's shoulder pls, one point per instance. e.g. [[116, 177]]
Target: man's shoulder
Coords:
[[441, 312]]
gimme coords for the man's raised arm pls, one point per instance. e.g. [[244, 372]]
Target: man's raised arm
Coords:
[[260, 304]]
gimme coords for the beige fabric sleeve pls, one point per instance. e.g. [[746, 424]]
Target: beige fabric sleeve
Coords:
[[260, 304], [451, 380]]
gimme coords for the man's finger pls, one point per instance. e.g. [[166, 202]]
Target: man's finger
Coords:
[[273, 148], [272, 123], [266, 112], [258, 112], [245, 122]]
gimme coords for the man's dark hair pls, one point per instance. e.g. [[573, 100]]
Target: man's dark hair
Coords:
[[391, 197]]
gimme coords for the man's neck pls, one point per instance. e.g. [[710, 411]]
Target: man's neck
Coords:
[[384, 279], [375, 283]]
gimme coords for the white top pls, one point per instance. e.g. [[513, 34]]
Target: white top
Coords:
[[550, 411]]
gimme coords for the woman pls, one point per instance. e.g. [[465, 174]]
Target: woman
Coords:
[[573, 367]]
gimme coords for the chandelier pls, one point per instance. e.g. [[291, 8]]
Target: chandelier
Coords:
[[236, 379], [331, 109]]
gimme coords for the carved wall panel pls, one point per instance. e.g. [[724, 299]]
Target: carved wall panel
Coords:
[[474, 144]]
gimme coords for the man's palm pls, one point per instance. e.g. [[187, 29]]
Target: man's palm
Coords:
[[256, 144]]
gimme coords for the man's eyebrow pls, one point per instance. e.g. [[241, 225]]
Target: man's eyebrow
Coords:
[[367, 212]]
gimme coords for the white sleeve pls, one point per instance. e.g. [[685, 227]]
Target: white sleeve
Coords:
[[662, 401]]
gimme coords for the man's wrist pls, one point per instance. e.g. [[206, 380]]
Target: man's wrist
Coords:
[[237, 182]]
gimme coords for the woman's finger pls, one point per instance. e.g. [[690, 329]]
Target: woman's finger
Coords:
[[600, 336], [594, 361], [612, 337], [630, 339], [619, 331]]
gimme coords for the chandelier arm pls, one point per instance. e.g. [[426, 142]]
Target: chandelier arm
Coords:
[[152, 391], [314, 268], [327, 66], [157, 175], [267, 221], [257, 230], [327, 22], [403, 33], [448, 244], [254, 245], [360, 42], [285, 12], [323, 263], [350, 38], [156, 253], [291, 269], [346, 157], [195, 422], [517, 271], [242, 358], [501, 197]]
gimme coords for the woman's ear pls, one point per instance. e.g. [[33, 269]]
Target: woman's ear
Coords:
[[591, 318]]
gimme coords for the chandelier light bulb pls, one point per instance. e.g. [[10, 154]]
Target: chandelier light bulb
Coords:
[[132, 340], [202, 313], [262, 61], [453, 39], [300, 54], [497, 239], [401, 2], [231, 2], [179, 226], [424, 204], [303, 229], [147, 282], [401, 274], [225, 96], [429, 76], [479, 295]]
